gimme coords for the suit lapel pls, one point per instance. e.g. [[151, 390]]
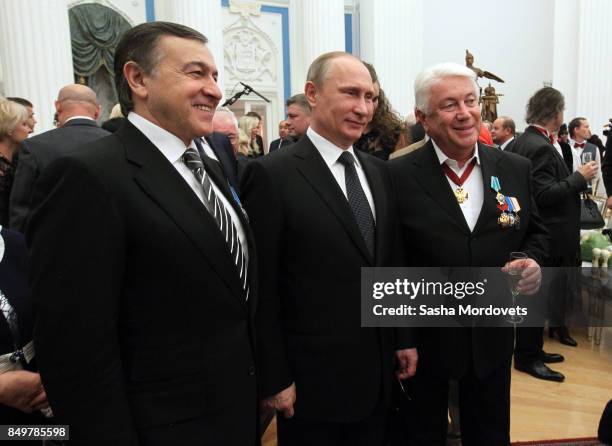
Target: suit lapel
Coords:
[[488, 167], [160, 181], [316, 173], [434, 183]]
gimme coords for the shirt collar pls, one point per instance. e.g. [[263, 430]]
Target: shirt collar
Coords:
[[542, 129], [442, 157], [167, 143], [328, 150], [78, 117]]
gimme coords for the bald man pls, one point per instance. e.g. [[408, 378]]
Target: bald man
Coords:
[[77, 109]]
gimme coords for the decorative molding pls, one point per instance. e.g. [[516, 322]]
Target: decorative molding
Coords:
[[245, 8], [249, 53]]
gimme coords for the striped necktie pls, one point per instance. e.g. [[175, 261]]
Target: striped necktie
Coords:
[[217, 209]]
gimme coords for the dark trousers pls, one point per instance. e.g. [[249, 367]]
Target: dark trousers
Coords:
[[484, 407], [298, 432], [528, 345]]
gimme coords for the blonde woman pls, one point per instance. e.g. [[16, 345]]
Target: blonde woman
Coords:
[[14, 129], [249, 125]]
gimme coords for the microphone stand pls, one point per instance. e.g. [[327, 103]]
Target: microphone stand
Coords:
[[246, 90]]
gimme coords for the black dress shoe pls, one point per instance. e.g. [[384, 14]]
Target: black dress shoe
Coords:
[[563, 334], [551, 358], [539, 370]]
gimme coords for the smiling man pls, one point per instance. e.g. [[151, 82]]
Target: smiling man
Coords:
[[448, 206], [142, 264], [321, 211]]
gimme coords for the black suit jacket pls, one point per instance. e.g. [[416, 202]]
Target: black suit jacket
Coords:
[[435, 233], [557, 192], [37, 153], [606, 165], [141, 322], [567, 155], [222, 147], [311, 253], [276, 144]]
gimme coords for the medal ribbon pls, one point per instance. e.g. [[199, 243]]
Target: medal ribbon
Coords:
[[510, 204], [466, 173], [495, 184]]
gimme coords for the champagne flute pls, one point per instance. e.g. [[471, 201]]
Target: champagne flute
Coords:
[[513, 276]]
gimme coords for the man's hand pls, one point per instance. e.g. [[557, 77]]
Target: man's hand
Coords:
[[282, 401], [589, 170], [609, 202], [407, 359], [22, 390], [531, 275]]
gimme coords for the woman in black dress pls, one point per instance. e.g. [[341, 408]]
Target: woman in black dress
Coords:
[[13, 130]]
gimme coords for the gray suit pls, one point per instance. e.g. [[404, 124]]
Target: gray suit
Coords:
[[37, 153]]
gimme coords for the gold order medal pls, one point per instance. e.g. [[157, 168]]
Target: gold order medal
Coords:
[[504, 220], [461, 195]]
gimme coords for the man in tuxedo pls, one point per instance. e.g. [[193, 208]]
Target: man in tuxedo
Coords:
[[462, 230], [557, 194], [77, 109], [320, 212], [503, 132], [284, 138], [298, 115], [579, 132], [143, 265]]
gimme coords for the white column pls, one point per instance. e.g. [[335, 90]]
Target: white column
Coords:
[[594, 64], [203, 16], [35, 53], [391, 39], [316, 27], [565, 52]]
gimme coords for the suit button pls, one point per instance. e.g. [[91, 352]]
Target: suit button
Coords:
[[252, 370]]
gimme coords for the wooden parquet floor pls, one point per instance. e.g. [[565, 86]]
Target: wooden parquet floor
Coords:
[[546, 410]]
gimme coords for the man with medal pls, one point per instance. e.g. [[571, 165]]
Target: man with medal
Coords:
[[461, 204]]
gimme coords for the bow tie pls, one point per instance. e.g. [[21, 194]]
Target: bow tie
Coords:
[[578, 145]]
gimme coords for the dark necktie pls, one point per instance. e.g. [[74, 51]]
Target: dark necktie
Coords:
[[358, 201], [221, 215]]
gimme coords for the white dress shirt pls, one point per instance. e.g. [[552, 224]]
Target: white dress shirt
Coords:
[[173, 149], [473, 185], [330, 153]]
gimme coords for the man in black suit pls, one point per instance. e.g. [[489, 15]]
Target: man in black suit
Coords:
[[318, 221], [298, 116], [77, 109], [448, 224], [284, 138], [503, 132], [143, 266], [557, 193]]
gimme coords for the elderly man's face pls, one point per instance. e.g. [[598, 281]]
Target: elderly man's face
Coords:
[[223, 123], [298, 121], [283, 129], [453, 121], [182, 92], [343, 105]]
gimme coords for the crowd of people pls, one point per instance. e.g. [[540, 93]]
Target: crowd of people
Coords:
[[186, 282]]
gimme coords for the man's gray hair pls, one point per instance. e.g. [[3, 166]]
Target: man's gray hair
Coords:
[[229, 113], [429, 76]]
